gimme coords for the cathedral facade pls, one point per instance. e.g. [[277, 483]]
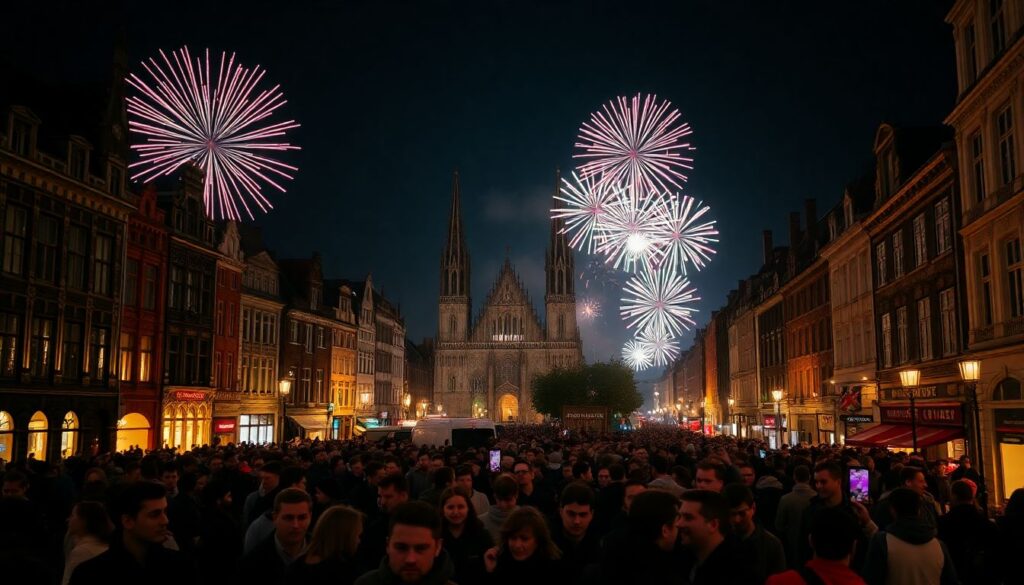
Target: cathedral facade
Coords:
[[484, 365]]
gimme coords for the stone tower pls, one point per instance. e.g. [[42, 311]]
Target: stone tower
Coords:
[[560, 272], [454, 304]]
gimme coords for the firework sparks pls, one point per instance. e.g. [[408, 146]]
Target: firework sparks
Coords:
[[630, 234], [659, 300], [637, 355], [685, 239], [219, 121], [663, 348], [587, 204], [638, 141], [589, 309]]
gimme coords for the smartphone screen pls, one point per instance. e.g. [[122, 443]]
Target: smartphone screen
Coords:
[[763, 453], [860, 484], [495, 460]]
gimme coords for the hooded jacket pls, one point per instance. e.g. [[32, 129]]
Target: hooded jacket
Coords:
[[440, 574], [919, 558]]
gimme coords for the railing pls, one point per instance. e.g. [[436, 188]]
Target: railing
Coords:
[[982, 334]]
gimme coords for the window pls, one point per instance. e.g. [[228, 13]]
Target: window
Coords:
[[145, 358], [293, 332], [978, 166], [986, 289], [970, 54], [309, 338], [103, 260], [174, 359], [1014, 270], [304, 385], [131, 282], [320, 398], [314, 300], [219, 320], [77, 244], [897, 254], [21, 133], [15, 233], [231, 319], [116, 181], [41, 350], [901, 335], [924, 328], [880, 263], [1007, 389], [77, 163], [125, 353], [99, 362], [217, 382], [203, 365], [1004, 128], [943, 227], [997, 26], [46, 230], [149, 275], [920, 245], [887, 340], [947, 309], [256, 428], [9, 332], [229, 371], [189, 361], [320, 337], [177, 290]]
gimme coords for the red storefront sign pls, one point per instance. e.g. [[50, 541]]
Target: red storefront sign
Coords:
[[189, 395], [769, 421], [223, 425], [935, 415]]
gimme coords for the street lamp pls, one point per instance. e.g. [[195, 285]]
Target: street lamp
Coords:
[[284, 387], [970, 371], [407, 401], [777, 395], [911, 379], [732, 417]]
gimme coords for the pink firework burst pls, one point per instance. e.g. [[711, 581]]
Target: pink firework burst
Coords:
[[583, 204], [589, 309], [218, 121], [686, 238], [637, 141]]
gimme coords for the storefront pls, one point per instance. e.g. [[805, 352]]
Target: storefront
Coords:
[[224, 430], [186, 418], [939, 428], [257, 429], [827, 429], [342, 427], [133, 430], [775, 430], [1009, 425]]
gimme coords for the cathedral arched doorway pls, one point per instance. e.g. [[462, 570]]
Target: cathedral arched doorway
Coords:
[[508, 407]]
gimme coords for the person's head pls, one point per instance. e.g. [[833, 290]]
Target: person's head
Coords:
[[217, 494], [374, 471], [965, 461], [215, 464], [523, 472], [141, 509], [444, 478], [747, 474], [423, 462], [393, 491], [95, 474], [833, 535], [632, 489], [15, 485], [506, 491], [702, 518], [740, 500], [576, 508], [356, 466], [90, 519], [654, 518], [828, 480], [961, 493], [660, 465], [710, 475], [392, 466], [801, 474], [436, 461], [525, 533], [913, 478], [457, 507], [169, 476], [336, 534], [566, 471], [293, 476], [604, 477], [270, 476], [293, 510], [464, 477], [581, 470], [904, 503], [617, 472], [414, 541]]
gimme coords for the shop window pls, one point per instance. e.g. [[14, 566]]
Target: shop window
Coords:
[[132, 431], [1008, 389], [6, 436], [69, 435], [38, 427]]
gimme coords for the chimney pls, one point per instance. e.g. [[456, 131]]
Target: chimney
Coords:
[[767, 245], [794, 229], [811, 211]]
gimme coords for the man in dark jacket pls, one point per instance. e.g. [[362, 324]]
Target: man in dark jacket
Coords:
[[712, 558], [972, 540], [648, 551], [761, 549], [414, 553], [268, 562], [136, 553], [580, 547]]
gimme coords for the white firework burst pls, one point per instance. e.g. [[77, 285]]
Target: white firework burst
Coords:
[[663, 348], [630, 234], [587, 204], [685, 238], [589, 309], [659, 300], [637, 355]]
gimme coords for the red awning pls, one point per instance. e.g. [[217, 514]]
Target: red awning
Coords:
[[902, 436]]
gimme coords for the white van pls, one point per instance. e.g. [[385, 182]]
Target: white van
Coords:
[[460, 433]]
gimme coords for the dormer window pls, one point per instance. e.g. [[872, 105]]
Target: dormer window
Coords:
[[21, 136], [314, 298], [833, 227], [77, 160], [115, 180], [847, 212]]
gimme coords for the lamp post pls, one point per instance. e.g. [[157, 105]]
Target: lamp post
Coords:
[[910, 380], [777, 397], [406, 401], [284, 387], [970, 371], [732, 417]]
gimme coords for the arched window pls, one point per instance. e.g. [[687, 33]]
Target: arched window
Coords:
[[37, 429], [451, 384], [451, 326], [1007, 389], [69, 435], [6, 436], [132, 430]]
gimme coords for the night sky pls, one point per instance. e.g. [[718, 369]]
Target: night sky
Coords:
[[783, 97]]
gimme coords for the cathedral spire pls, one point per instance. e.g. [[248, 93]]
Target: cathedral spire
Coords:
[[455, 261], [560, 265]]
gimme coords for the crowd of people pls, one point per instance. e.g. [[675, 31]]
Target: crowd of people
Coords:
[[659, 504]]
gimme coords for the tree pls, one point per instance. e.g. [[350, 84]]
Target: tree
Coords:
[[609, 384]]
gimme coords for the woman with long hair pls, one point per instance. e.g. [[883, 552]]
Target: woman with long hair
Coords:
[[89, 527], [464, 536], [526, 549], [330, 557]]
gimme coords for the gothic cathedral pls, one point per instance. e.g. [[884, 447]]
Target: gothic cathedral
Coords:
[[483, 367]]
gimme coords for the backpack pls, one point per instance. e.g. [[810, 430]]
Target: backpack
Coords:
[[809, 576]]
